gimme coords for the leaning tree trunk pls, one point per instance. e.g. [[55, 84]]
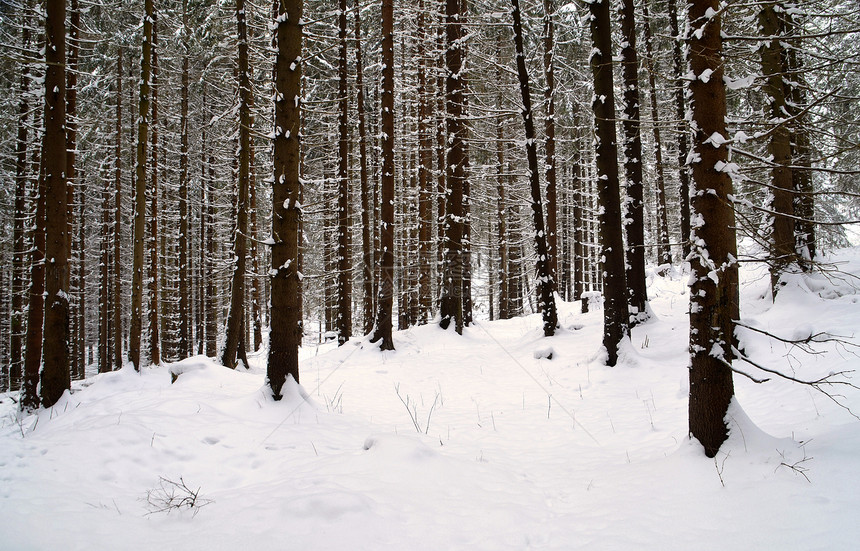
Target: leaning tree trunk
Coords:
[[615, 311], [140, 189], [382, 328], [285, 335], [545, 285], [713, 291], [55, 379]]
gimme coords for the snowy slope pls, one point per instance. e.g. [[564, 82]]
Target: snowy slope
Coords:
[[512, 450]]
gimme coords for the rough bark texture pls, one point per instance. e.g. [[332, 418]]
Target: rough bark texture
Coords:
[[55, 379], [236, 313], [615, 311], [714, 289], [140, 190], [774, 66], [634, 223], [383, 326], [545, 285], [549, 129], [451, 305], [285, 335], [344, 245]]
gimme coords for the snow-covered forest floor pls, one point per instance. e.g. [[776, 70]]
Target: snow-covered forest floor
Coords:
[[449, 442]]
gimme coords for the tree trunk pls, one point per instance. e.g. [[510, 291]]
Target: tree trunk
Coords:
[[615, 311], [425, 178], [344, 245], [664, 251], [76, 313], [634, 224], [154, 337], [713, 258], [55, 377], [117, 223], [545, 285], [285, 334], [236, 312], [382, 328], [184, 235], [451, 305], [549, 125], [680, 116], [366, 192]]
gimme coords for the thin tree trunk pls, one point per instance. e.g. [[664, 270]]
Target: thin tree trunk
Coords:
[[504, 311], [154, 336], [285, 334], [366, 193], [382, 328], [117, 223], [344, 245], [36, 310], [236, 312], [425, 178], [634, 224], [140, 189], [76, 312], [615, 311], [184, 235], [256, 313], [680, 116], [712, 292], [549, 125], [545, 285], [664, 251]]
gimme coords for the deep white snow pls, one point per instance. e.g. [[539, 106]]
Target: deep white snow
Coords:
[[489, 445]]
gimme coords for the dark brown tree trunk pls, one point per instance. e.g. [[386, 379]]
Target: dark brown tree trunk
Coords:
[[504, 311], [579, 225], [366, 192], [285, 335], [140, 189], [256, 295], [19, 240], [713, 291], [184, 312], [55, 377], [78, 305], [154, 336], [635, 222], [680, 106], [664, 251], [451, 305], [211, 299], [104, 280], [425, 178], [382, 328], [344, 245], [549, 126], [235, 315], [615, 311], [116, 238], [36, 310], [545, 285], [774, 66]]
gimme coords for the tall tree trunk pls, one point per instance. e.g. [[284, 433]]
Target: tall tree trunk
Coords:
[[504, 311], [680, 116], [382, 328], [19, 240], [236, 312], [366, 192], [76, 311], [713, 258], [664, 251], [154, 337], [55, 377], [635, 222], [549, 125], [285, 334], [615, 311], [184, 234], [140, 189], [545, 285], [36, 310], [256, 310], [344, 245], [211, 298], [451, 305], [774, 66], [425, 177], [117, 222]]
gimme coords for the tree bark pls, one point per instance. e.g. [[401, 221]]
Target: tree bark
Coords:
[[680, 116], [117, 222], [344, 245], [714, 288], [154, 336], [366, 191], [383, 325], [615, 311], [285, 335], [425, 178], [55, 376], [545, 285], [549, 126], [184, 313]]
